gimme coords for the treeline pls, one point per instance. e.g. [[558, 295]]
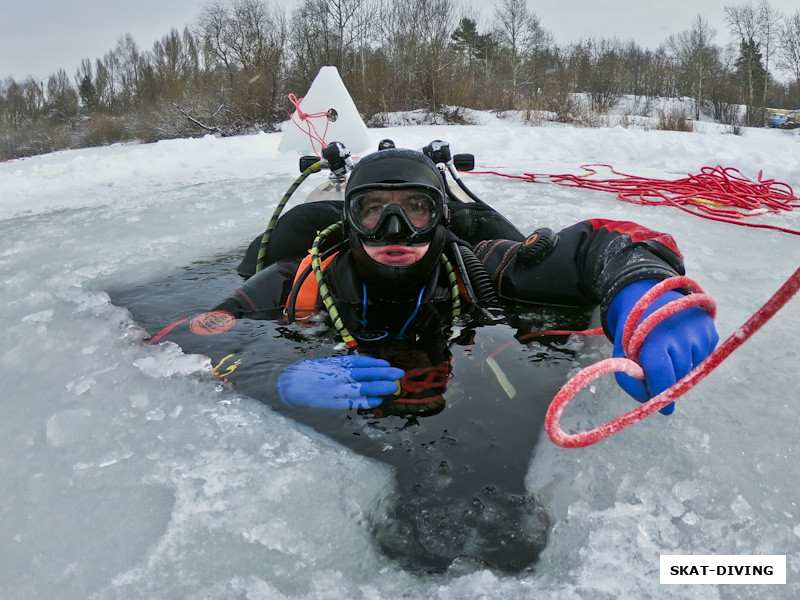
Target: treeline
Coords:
[[232, 71]]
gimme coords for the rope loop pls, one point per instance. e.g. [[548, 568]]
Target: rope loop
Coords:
[[628, 366], [633, 335]]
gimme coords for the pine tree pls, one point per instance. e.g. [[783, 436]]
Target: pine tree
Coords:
[[88, 94], [472, 43], [752, 76]]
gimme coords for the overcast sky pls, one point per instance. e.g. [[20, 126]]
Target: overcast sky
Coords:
[[38, 37]]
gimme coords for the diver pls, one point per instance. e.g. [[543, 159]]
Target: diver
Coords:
[[390, 280], [409, 273]]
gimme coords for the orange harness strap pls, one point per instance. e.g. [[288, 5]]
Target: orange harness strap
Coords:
[[306, 301]]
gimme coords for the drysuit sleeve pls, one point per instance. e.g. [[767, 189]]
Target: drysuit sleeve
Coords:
[[582, 266], [225, 333], [263, 296]]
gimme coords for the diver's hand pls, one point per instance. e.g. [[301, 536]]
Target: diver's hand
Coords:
[[338, 382], [670, 351]]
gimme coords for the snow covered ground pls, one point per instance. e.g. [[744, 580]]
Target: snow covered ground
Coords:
[[127, 473]]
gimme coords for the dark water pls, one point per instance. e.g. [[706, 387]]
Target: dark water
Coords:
[[458, 496]]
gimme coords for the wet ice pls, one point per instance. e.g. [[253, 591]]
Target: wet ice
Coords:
[[128, 473]]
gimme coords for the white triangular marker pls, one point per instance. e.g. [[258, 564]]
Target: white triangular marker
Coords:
[[327, 92]]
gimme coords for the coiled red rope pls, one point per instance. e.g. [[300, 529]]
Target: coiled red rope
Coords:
[[716, 193], [632, 340]]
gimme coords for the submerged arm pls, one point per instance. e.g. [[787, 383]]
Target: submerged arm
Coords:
[[611, 264]]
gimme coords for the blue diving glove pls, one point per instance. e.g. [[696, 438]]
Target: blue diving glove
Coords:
[[670, 351], [338, 382]]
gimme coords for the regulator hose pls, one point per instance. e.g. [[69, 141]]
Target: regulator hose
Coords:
[[324, 292], [262, 251], [479, 278]]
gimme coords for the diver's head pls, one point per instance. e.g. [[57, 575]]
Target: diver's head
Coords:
[[396, 217]]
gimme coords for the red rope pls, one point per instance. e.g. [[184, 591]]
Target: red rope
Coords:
[[716, 193], [624, 365], [310, 129], [422, 380]]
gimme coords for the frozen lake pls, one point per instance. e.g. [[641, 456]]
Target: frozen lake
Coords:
[[129, 472]]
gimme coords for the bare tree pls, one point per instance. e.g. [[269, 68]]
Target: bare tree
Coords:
[[790, 46], [14, 104], [105, 81], [31, 98], [171, 64], [520, 33], [245, 39], [256, 34], [756, 30], [416, 41], [62, 99], [722, 90], [696, 57], [770, 19], [599, 70], [329, 33], [4, 107], [365, 34], [212, 29], [130, 63], [242, 34], [21, 105]]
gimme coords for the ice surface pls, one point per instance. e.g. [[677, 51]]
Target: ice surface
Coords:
[[129, 473]]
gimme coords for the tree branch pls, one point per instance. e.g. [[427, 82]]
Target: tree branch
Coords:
[[213, 129]]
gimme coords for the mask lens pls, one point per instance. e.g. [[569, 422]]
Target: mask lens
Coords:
[[418, 207]]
